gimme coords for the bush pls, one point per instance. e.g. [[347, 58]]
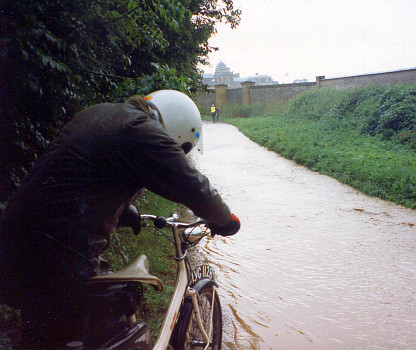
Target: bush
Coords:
[[394, 116], [242, 111], [314, 104]]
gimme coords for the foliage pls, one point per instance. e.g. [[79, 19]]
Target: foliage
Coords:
[[242, 111], [9, 324], [337, 142], [394, 116], [163, 77], [313, 104], [60, 56], [205, 112]]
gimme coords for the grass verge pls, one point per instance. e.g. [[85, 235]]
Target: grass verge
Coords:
[[363, 137]]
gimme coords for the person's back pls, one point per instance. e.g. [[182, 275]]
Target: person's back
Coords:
[[61, 218]]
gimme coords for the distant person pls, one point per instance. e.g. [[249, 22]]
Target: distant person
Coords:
[[213, 113]]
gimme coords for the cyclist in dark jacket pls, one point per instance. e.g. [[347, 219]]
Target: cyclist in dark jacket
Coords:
[[60, 220]]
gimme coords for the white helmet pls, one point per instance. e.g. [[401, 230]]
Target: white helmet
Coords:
[[180, 116]]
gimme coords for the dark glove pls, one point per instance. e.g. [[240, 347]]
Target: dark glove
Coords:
[[228, 229], [130, 218]]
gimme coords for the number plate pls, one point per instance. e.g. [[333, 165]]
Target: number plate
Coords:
[[203, 271]]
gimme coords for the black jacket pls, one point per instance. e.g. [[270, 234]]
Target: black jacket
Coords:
[[97, 166]]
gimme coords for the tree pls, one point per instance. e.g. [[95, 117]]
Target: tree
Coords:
[[60, 56]]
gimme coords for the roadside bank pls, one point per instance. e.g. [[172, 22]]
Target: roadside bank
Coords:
[[365, 138]]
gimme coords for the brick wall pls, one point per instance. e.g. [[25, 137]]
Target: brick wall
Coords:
[[285, 92], [280, 92], [235, 96], [407, 76], [204, 100]]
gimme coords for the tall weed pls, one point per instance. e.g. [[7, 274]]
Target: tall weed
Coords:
[[242, 111], [313, 104], [394, 115]]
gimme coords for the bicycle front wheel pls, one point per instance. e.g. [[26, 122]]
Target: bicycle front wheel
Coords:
[[189, 335]]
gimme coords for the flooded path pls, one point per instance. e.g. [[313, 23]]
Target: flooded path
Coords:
[[316, 265]]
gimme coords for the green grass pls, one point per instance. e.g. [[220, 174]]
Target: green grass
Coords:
[[363, 137]]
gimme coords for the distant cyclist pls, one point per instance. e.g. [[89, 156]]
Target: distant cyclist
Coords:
[[213, 113], [60, 220]]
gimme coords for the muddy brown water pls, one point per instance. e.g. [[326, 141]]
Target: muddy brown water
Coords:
[[316, 264]]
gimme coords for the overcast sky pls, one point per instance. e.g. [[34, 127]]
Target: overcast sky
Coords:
[[297, 39]]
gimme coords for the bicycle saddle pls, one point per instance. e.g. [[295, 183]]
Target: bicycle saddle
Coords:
[[138, 271]]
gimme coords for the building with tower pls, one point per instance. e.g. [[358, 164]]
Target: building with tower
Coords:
[[224, 75]]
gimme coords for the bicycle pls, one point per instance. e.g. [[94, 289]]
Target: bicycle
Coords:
[[194, 318]]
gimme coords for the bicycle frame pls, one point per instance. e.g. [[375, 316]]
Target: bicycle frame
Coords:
[[181, 290], [176, 301]]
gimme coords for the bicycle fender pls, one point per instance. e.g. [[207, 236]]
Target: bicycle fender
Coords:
[[200, 284]]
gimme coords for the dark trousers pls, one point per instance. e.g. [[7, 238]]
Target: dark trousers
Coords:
[[54, 295], [48, 285]]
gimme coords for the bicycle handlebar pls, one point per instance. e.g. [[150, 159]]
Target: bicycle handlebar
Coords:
[[172, 221]]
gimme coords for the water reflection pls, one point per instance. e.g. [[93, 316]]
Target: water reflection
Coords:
[[317, 265]]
